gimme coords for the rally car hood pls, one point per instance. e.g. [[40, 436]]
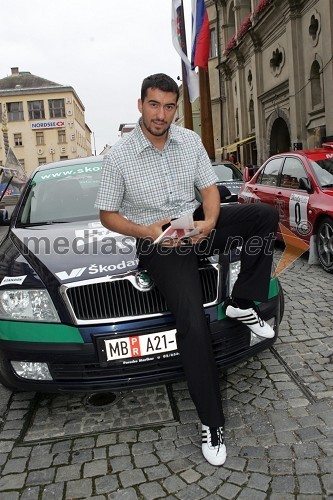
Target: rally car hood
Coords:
[[69, 252]]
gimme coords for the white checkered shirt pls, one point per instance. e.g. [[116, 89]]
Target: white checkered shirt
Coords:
[[147, 185]]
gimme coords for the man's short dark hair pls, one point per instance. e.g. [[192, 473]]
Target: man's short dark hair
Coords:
[[159, 81]]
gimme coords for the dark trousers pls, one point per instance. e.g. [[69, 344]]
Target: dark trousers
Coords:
[[177, 277]]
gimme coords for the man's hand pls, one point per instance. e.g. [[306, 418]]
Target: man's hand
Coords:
[[205, 227], [155, 230]]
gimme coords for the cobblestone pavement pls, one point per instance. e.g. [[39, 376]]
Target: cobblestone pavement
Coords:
[[279, 428]]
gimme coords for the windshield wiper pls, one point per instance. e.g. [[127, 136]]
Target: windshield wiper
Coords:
[[327, 185], [44, 223]]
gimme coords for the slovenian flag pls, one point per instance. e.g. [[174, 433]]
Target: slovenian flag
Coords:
[[178, 39], [200, 35]]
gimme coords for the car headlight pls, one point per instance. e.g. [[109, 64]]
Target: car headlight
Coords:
[[31, 305]]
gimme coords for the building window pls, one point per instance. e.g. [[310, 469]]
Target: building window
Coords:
[[315, 84], [40, 138], [251, 113], [41, 161], [63, 157], [213, 44], [57, 108], [15, 111], [36, 110], [18, 140], [61, 136]]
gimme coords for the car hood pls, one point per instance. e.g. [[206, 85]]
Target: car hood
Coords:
[[233, 186], [68, 252]]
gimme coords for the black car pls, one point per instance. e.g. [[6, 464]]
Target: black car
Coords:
[[77, 313], [230, 177]]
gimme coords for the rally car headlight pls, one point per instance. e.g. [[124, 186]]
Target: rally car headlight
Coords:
[[31, 305]]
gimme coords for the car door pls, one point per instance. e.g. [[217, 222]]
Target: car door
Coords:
[[292, 199], [263, 188]]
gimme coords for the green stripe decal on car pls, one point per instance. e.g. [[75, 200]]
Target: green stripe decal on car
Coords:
[[22, 331], [273, 292]]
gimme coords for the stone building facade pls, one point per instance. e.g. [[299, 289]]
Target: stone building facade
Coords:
[[41, 121], [271, 75]]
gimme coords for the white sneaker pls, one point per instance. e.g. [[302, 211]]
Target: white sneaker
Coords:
[[251, 319], [213, 447]]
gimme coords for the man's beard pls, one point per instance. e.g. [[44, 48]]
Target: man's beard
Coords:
[[155, 132]]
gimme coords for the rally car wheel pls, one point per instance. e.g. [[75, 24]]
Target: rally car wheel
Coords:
[[325, 244]]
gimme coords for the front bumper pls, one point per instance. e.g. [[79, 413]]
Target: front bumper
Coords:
[[77, 367]]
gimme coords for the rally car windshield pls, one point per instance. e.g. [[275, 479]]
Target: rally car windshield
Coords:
[[324, 172], [60, 195]]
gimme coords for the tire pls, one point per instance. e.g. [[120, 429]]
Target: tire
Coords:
[[325, 244]]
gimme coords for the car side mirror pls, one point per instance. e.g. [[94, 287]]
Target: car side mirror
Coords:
[[304, 183], [4, 219], [248, 173]]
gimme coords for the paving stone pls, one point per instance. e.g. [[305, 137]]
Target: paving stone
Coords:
[[190, 476], [239, 478], [95, 468], [191, 492], [283, 484], [106, 439], [280, 452], [119, 450], [80, 456], [249, 494], [327, 480], [14, 465], [259, 482], [68, 472], [173, 483], [146, 461], [38, 477], [151, 491], [129, 478], [61, 459], [119, 464], [228, 491], [142, 448], [79, 489], [306, 466], [209, 483], [281, 467], [30, 493], [310, 485], [158, 472], [106, 484], [9, 495], [41, 462], [127, 494], [53, 491], [12, 481]]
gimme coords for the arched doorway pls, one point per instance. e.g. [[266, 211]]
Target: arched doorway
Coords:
[[280, 138]]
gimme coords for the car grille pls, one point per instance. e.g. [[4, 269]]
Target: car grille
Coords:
[[120, 298]]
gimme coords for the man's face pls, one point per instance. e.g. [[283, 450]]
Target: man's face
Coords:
[[158, 110]]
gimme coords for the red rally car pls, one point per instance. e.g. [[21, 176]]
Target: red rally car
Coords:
[[300, 185]]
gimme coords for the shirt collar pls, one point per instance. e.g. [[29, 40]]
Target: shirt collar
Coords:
[[144, 143]]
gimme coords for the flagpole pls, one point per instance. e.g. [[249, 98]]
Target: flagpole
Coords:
[[188, 117], [207, 135]]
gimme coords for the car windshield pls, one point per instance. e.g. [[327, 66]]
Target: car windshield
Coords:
[[324, 171], [227, 172], [62, 194]]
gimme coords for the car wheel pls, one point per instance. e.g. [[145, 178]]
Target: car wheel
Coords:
[[325, 244]]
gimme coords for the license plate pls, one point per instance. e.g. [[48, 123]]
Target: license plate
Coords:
[[137, 346]]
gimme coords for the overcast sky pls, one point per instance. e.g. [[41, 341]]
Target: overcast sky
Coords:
[[102, 48]]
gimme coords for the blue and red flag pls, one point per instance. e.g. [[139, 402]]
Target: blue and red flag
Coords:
[[200, 35]]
